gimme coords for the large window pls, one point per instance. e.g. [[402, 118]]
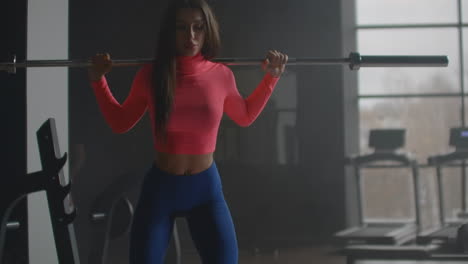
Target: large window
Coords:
[[427, 102], [373, 12]]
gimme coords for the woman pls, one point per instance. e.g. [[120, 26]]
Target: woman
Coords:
[[186, 95]]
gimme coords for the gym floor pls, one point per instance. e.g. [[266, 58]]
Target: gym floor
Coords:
[[299, 256], [304, 255]]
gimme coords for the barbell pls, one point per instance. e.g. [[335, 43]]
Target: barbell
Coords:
[[355, 62]]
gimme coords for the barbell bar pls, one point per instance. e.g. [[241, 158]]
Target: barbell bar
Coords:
[[355, 62]]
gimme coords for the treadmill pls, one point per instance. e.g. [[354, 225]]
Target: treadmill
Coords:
[[446, 233], [388, 232]]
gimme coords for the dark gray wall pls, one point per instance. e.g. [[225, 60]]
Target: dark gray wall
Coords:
[[295, 199], [14, 150]]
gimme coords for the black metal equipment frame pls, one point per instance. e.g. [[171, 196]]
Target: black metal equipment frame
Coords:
[[49, 179]]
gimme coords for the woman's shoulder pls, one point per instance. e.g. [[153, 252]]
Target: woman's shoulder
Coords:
[[222, 68], [143, 75], [145, 70], [146, 66]]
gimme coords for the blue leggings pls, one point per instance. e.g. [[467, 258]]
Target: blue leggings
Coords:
[[200, 199]]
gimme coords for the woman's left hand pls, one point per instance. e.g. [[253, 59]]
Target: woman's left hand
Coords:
[[275, 62]]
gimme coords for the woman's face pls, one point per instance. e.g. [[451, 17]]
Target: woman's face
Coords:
[[190, 31]]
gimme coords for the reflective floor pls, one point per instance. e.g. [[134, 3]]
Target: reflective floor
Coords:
[[299, 256]]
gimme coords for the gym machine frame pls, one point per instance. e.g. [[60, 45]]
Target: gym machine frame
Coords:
[[446, 233], [432, 245], [386, 232], [49, 179]]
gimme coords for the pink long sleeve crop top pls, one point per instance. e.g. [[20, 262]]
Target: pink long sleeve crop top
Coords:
[[204, 91]]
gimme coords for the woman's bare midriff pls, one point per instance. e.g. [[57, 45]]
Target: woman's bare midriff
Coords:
[[183, 164]]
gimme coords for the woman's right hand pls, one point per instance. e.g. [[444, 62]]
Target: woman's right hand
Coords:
[[100, 65]]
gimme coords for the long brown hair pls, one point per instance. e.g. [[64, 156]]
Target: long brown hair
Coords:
[[164, 70]]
